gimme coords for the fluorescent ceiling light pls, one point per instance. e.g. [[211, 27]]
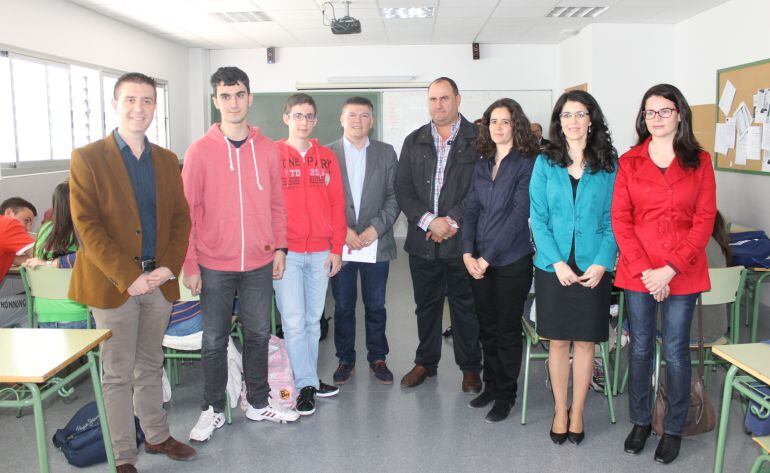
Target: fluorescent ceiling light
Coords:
[[363, 79], [576, 12], [407, 12], [241, 16]]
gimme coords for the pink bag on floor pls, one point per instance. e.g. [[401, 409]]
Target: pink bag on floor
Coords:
[[279, 375]]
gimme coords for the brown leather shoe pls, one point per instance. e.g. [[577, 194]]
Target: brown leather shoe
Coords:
[[172, 448], [126, 468], [417, 376], [471, 382]]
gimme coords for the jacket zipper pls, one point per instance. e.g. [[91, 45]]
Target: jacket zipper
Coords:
[[240, 200]]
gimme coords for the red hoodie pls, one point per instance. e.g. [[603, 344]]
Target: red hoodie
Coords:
[[236, 202], [315, 201]]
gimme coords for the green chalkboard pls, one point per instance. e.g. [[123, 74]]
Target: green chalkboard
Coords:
[[267, 109]]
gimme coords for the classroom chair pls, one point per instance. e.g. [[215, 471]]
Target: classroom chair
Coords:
[[726, 288], [764, 444], [533, 339]]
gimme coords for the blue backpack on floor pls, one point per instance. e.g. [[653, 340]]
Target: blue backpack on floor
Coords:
[[81, 439]]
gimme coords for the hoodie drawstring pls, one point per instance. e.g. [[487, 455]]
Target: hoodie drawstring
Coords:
[[254, 158], [229, 154]]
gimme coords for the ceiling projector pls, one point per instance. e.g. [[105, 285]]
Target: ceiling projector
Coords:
[[345, 25]]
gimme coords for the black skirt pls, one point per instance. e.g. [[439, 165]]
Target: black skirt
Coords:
[[572, 312]]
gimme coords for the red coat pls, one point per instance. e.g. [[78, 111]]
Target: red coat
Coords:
[[661, 219]]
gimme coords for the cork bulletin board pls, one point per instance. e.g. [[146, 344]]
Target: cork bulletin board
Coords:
[[747, 79]]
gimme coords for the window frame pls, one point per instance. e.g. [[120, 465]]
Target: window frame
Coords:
[[27, 167]]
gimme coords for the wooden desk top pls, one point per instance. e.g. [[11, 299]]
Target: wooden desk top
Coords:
[[33, 355], [753, 358]]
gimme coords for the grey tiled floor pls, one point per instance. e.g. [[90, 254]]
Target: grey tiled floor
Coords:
[[369, 427]]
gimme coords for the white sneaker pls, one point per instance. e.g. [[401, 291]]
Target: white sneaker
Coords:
[[207, 423], [273, 412]]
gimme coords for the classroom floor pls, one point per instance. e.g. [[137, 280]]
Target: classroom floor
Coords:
[[370, 427]]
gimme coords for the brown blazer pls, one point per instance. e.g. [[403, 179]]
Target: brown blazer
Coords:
[[107, 224]]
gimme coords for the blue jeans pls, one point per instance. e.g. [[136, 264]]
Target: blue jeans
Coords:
[[254, 290], [301, 296], [81, 324], [677, 317], [374, 279]]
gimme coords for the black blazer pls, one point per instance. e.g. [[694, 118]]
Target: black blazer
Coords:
[[414, 187]]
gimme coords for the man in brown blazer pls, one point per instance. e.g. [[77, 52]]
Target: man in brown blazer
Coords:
[[133, 224]]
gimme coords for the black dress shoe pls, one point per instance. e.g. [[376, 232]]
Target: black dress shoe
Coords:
[[635, 441], [576, 437], [482, 400], [668, 448], [499, 411], [558, 439]]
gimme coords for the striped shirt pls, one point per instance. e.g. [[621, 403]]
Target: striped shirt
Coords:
[[442, 154]]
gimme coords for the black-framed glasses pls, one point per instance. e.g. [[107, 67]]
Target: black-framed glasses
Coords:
[[663, 112], [298, 117], [568, 115]]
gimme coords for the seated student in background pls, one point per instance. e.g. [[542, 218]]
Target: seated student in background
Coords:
[[316, 227], [16, 217], [56, 246]]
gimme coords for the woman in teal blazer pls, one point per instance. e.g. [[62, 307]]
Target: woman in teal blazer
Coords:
[[570, 198]]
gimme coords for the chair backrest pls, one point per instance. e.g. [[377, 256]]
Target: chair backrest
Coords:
[[48, 282], [184, 293], [725, 283]]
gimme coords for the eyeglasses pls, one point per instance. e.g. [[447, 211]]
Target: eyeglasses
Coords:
[[310, 117], [568, 115], [663, 112]]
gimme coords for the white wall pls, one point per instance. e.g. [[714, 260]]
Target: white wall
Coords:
[[59, 28], [728, 35]]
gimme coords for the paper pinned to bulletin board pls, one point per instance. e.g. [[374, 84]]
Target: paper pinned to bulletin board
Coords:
[[742, 130]]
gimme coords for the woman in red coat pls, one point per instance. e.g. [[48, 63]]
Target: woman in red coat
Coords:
[[663, 211]]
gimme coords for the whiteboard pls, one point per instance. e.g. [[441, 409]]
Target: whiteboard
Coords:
[[405, 110]]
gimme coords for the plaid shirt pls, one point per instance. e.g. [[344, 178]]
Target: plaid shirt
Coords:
[[442, 153]]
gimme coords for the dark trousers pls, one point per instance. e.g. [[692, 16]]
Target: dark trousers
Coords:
[[374, 279], [255, 293], [432, 280], [500, 296], [677, 317]]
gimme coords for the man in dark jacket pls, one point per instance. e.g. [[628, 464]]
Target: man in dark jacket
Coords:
[[433, 175]]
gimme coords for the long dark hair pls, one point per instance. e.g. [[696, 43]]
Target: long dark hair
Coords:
[[599, 153], [686, 147], [720, 235], [523, 139], [62, 235]]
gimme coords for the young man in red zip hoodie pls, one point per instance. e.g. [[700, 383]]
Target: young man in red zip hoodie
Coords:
[[315, 211], [232, 182]]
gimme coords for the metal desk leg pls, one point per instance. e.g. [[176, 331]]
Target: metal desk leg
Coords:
[[616, 365], [724, 418], [97, 383], [37, 404], [757, 297]]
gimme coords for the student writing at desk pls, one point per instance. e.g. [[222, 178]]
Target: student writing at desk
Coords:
[[16, 217]]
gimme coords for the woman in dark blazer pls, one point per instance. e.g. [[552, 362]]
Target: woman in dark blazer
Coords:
[[571, 194], [496, 248], [663, 214]]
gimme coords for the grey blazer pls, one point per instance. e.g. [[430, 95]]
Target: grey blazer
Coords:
[[378, 200]]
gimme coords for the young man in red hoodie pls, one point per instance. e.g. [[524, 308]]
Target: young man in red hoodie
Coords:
[[315, 210], [232, 182]]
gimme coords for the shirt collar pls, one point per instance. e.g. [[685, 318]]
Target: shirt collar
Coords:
[[455, 127], [122, 145], [349, 145]]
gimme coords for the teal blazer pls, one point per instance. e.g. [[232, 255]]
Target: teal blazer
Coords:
[[555, 218]]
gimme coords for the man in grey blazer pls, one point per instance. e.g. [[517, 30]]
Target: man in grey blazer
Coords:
[[368, 169]]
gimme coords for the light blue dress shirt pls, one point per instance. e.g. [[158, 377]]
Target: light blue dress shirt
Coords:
[[355, 160]]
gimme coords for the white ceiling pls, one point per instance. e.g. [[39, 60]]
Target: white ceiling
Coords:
[[299, 22]]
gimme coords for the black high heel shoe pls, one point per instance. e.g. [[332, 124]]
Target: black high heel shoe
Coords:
[[575, 437], [558, 439]]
